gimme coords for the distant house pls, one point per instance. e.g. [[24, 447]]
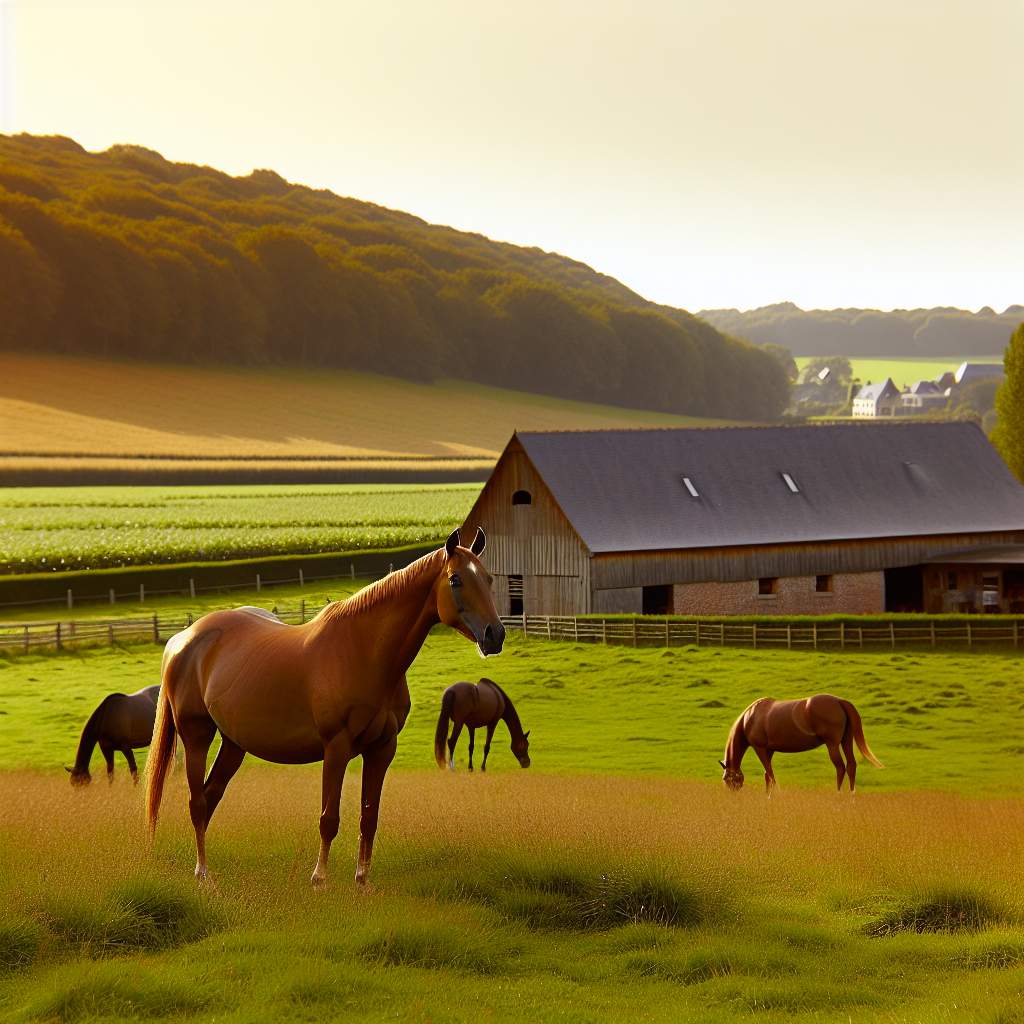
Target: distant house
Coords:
[[967, 373], [922, 397], [743, 520], [877, 400]]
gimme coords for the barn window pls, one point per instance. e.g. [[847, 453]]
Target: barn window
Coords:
[[522, 498], [767, 586], [515, 595], [657, 600], [951, 581], [790, 483], [823, 584], [688, 484]]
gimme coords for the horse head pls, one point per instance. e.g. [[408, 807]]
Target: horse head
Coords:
[[732, 777], [78, 778], [464, 599], [521, 749]]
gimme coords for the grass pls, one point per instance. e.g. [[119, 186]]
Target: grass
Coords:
[[616, 873], [906, 370], [618, 710], [63, 406], [81, 528]]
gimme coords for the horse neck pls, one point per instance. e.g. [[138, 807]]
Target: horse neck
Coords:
[[737, 744], [397, 611], [90, 737], [510, 716]]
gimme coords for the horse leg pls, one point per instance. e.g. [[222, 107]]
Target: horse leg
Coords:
[[837, 760], [452, 740], [108, 755], [129, 756], [375, 766], [851, 760], [764, 755], [227, 762], [196, 736], [472, 740], [337, 754], [487, 744]]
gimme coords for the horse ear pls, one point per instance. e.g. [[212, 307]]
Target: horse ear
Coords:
[[70, 771], [452, 542], [526, 735], [479, 542], [722, 763]]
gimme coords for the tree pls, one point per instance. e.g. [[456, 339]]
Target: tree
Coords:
[[784, 358], [1009, 433]]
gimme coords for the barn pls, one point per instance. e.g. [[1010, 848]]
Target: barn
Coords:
[[838, 518]]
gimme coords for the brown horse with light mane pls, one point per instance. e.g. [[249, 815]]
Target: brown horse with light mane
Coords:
[[792, 726], [329, 690], [121, 723], [478, 706]]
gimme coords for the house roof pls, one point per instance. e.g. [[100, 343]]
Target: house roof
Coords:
[[1006, 554], [966, 372], [925, 387], [623, 490], [873, 392]]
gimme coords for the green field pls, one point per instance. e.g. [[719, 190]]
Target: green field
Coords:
[[615, 880], [73, 528], [905, 372]]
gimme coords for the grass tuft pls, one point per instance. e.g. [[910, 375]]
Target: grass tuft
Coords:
[[432, 947], [20, 942], [943, 910]]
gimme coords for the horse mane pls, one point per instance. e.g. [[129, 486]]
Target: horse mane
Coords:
[[511, 716], [384, 589]]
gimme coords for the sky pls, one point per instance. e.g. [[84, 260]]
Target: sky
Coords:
[[707, 153]]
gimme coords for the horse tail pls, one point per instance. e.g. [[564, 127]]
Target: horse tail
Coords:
[[161, 753], [441, 733], [857, 727]]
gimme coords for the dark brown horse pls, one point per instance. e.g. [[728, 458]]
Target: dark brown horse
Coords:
[[478, 706], [330, 690], [120, 724], [791, 726]]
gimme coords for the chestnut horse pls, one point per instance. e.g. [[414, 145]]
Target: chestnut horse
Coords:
[[792, 726], [476, 706], [329, 690], [121, 723]]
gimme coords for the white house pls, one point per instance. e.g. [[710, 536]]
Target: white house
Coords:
[[877, 399]]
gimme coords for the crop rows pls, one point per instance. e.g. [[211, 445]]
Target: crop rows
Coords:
[[73, 528]]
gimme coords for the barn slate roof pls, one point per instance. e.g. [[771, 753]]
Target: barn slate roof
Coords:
[[623, 490]]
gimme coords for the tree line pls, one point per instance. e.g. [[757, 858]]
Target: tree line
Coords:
[[943, 331], [123, 254]]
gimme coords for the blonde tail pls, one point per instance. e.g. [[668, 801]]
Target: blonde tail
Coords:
[[858, 732], [161, 754]]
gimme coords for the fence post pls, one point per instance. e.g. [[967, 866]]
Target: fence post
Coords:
[[755, 636], [860, 636], [56, 637], [721, 634], [1014, 632], [110, 634], [789, 636], [26, 640], [970, 642], [548, 617], [113, 596], [302, 579], [842, 636], [188, 619], [391, 568], [604, 632], [156, 629], [71, 598], [932, 631], [524, 624], [259, 586], [634, 631], [302, 610], [667, 644], [575, 628], [814, 634], [352, 569], [142, 593], [697, 638], [192, 588], [892, 636]]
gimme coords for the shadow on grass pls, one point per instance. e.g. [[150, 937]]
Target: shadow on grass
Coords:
[[944, 910]]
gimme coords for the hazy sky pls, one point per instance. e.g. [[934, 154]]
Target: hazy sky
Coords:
[[705, 152]]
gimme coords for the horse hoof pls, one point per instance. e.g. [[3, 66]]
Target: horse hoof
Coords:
[[319, 881]]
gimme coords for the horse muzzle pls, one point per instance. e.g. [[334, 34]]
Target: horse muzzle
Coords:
[[492, 640]]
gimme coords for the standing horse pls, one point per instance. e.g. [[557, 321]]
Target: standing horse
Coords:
[[121, 723], [329, 690], [476, 706], [792, 726]]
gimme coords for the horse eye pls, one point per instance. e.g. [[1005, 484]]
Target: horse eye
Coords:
[[455, 581]]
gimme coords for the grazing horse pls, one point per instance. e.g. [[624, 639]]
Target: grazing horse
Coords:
[[792, 726], [329, 690], [476, 706], [121, 723]]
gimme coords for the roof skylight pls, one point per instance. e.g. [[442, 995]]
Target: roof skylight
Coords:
[[688, 484], [790, 483]]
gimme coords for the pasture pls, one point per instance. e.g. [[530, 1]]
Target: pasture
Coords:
[[908, 370], [74, 528], [614, 874]]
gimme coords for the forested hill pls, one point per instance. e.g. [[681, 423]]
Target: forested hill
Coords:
[[124, 254], [943, 331]]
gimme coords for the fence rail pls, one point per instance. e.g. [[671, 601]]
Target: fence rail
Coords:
[[639, 632], [803, 635]]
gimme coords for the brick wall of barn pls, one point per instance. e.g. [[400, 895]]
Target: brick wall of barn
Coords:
[[854, 593]]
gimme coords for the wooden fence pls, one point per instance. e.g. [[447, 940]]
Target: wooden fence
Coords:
[[640, 632], [800, 635]]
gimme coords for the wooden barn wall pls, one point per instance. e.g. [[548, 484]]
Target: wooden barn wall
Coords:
[[534, 541], [617, 602], [651, 568]]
